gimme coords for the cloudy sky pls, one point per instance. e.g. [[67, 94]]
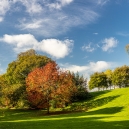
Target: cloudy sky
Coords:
[[80, 35]]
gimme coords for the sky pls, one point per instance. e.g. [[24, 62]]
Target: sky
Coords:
[[80, 35]]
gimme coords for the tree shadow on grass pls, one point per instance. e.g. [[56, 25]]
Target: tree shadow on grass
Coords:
[[100, 102], [71, 122], [98, 93], [110, 110], [93, 103], [24, 119]]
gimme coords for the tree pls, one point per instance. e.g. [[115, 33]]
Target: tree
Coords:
[[108, 73], [48, 84], [81, 84], [98, 80], [120, 76], [4, 100], [127, 48], [17, 72]]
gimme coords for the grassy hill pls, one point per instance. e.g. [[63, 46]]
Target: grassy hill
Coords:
[[105, 110]]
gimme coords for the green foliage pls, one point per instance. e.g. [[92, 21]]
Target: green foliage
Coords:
[[127, 48], [81, 84], [108, 73], [17, 72], [120, 76], [98, 80]]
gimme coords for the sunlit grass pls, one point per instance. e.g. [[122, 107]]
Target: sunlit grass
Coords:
[[111, 111]]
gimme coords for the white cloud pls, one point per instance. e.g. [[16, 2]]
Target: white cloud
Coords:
[[32, 6], [90, 68], [1, 19], [123, 34], [56, 48], [34, 24], [50, 18], [102, 2], [53, 47], [4, 7], [99, 66], [58, 4], [95, 33], [88, 48], [109, 43], [53, 23]]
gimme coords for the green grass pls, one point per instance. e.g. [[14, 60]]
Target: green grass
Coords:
[[106, 110]]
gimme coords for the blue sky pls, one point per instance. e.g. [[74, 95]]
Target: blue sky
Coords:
[[80, 35]]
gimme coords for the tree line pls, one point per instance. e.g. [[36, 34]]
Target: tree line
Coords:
[[119, 77], [36, 81]]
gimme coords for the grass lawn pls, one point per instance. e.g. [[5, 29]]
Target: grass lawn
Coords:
[[111, 111]]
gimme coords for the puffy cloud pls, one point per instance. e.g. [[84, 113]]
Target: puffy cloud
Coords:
[[99, 66], [53, 47], [56, 48], [88, 48], [109, 43], [90, 68]]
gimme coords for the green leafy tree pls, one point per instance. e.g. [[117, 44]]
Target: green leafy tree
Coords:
[[120, 76], [127, 48], [98, 80], [108, 73], [17, 72], [4, 100], [81, 84]]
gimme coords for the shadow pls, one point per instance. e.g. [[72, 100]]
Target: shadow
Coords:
[[100, 102], [111, 110], [98, 93], [80, 121]]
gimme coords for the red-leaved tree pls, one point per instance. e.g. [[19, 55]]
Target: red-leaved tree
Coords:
[[47, 84]]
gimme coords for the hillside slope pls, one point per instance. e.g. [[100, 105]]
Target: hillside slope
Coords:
[[106, 109], [113, 102]]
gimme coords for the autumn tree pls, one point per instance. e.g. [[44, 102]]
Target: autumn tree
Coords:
[[17, 72], [48, 84]]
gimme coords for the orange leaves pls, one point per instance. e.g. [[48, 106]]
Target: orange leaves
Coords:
[[49, 83]]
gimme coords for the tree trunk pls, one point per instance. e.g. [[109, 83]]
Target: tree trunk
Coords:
[[47, 105], [48, 109]]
